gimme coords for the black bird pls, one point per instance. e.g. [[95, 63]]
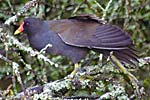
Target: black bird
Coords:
[[76, 36]]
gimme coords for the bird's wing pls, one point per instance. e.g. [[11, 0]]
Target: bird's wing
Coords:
[[90, 32]]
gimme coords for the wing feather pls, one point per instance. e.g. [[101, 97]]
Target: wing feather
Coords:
[[89, 32]]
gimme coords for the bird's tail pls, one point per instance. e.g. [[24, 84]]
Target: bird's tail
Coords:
[[125, 55]]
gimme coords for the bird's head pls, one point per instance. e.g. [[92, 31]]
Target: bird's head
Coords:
[[29, 25]]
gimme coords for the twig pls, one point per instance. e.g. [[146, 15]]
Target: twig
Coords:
[[99, 6], [44, 49], [127, 12], [30, 50], [131, 77], [104, 9], [11, 7], [76, 8], [15, 69], [26, 7]]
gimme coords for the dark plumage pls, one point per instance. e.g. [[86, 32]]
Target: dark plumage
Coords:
[[74, 37]]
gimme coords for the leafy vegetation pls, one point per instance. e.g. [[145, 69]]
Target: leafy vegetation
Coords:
[[21, 67]]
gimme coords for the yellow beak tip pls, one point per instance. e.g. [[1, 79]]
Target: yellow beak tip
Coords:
[[17, 32]]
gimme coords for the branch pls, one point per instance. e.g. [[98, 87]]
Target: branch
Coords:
[[30, 50], [58, 88], [89, 78], [26, 7], [104, 9]]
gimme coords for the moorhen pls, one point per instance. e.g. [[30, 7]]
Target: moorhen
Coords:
[[76, 36]]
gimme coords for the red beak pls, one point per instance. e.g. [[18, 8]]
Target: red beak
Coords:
[[20, 29]]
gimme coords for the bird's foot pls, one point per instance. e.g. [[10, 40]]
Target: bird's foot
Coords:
[[73, 73]]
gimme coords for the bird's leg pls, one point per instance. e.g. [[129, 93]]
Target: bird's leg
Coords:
[[71, 76], [76, 67], [131, 77]]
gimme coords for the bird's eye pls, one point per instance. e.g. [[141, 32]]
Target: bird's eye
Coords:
[[27, 23]]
